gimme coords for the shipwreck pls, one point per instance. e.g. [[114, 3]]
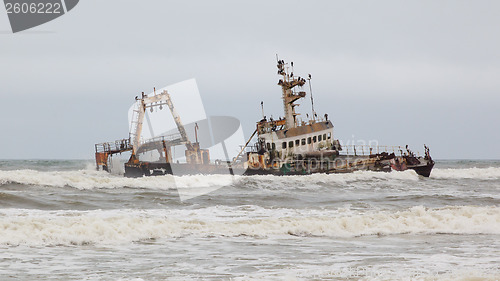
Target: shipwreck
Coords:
[[288, 145]]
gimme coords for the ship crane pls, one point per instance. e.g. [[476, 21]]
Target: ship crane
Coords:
[[193, 152], [150, 102], [178, 121]]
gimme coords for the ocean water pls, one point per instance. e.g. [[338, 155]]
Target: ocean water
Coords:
[[62, 220]]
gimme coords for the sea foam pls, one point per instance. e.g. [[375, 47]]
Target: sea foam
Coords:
[[88, 179], [35, 227], [91, 179], [490, 173]]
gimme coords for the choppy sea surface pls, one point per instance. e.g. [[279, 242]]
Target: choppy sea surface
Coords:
[[63, 220]]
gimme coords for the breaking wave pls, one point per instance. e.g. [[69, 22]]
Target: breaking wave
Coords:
[[316, 181], [91, 179], [33, 227], [490, 173]]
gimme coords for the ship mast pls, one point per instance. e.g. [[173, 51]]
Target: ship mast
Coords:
[[289, 97]]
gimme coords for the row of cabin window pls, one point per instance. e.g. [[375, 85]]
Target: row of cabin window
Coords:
[[303, 141]]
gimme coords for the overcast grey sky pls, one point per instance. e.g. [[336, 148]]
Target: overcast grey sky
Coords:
[[400, 72]]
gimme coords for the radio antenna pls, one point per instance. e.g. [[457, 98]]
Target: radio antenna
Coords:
[[312, 100]]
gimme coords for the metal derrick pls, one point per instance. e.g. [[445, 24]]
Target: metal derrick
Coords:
[[193, 153]]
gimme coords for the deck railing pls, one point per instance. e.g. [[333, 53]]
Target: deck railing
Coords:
[[113, 147], [122, 145], [167, 138], [360, 150]]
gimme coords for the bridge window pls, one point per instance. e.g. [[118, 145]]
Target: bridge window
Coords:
[[319, 138], [297, 142], [283, 145], [268, 146], [329, 135], [290, 144], [324, 136], [303, 142], [314, 139], [309, 140]]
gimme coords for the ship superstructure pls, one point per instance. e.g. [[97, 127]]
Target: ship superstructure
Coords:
[[290, 145]]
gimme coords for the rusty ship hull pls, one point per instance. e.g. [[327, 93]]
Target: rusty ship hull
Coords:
[[341, 164], [179, 169]]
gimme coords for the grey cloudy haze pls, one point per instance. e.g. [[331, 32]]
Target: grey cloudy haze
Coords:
[[409, 72]]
